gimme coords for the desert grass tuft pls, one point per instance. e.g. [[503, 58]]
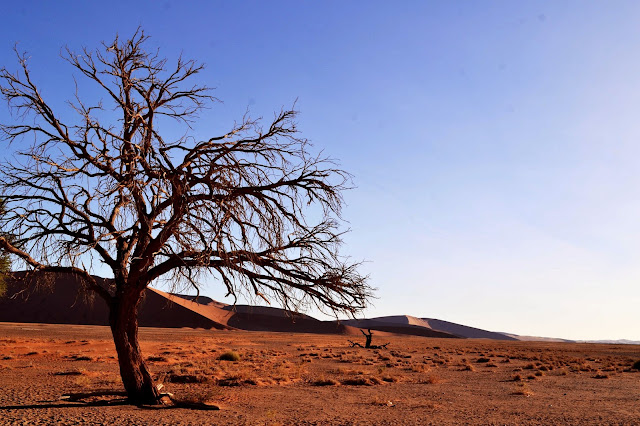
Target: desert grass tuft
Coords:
[[601, 375], [431, 380], [523, 390], [325, 382], [230, 356]]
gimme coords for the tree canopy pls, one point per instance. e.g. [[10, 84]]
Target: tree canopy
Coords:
[[118, 192]]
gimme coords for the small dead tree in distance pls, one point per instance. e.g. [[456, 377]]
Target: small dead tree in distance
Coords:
[[147, 207], [368, 338]]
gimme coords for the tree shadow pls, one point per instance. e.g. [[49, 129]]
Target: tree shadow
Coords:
[[99, 398], [107, 398]]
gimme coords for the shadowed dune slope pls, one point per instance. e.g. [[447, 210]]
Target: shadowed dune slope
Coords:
[[60, 299]]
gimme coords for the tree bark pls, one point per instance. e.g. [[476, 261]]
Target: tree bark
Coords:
[[123, 319]]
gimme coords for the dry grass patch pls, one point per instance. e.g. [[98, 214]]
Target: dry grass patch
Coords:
[[229, 356], [523, 390], [601, 375], [361, 381], [431, 380], [322, 381]]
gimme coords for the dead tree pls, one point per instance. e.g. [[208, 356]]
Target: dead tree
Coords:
[[109, 188], [368, 336]]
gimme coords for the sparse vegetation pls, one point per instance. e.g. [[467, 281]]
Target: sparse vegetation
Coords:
[[431, 379], [523, 390], [271, 366], [229, 356], [601, 375]]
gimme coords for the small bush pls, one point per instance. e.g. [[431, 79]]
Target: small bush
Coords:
[[325, 382], [357, 381], [69, 373], [230, 356], [187, 378], [83, 358], [636, 365], [431, 380], [523, 390], [601, 375]]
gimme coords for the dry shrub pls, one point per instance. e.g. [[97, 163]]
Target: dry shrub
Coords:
[[381, 402], [523, 390], [516, 378], [601, 375], [77, 357], [636, 365], [230, 356], [468, 367], [325, 382], [431, 380], [157, 359], [482, 360], [78, 372], [361, 381], [420, 368], [187, 378]]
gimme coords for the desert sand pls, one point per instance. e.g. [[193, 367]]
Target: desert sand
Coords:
[[313, 379]]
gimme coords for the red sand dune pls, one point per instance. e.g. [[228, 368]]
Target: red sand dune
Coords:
[[64, 302]]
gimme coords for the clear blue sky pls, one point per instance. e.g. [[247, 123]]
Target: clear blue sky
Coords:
[[495, 145]]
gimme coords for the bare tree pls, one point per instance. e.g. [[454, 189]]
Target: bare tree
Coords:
[[119, 193], [5, 261]]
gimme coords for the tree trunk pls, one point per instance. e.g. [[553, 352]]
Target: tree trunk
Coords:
[[123, 319]]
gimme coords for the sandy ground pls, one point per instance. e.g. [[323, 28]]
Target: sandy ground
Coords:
[[318, 379]]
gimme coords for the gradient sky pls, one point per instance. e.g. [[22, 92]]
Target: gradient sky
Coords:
[[495, 145]]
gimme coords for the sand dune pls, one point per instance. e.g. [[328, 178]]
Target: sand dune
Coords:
[[62, 302], [406, 324], [396, 325], [465, 331]]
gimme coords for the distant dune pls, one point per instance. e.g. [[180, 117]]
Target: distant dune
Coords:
[[466, 331], [63, 301], [406, 324]]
